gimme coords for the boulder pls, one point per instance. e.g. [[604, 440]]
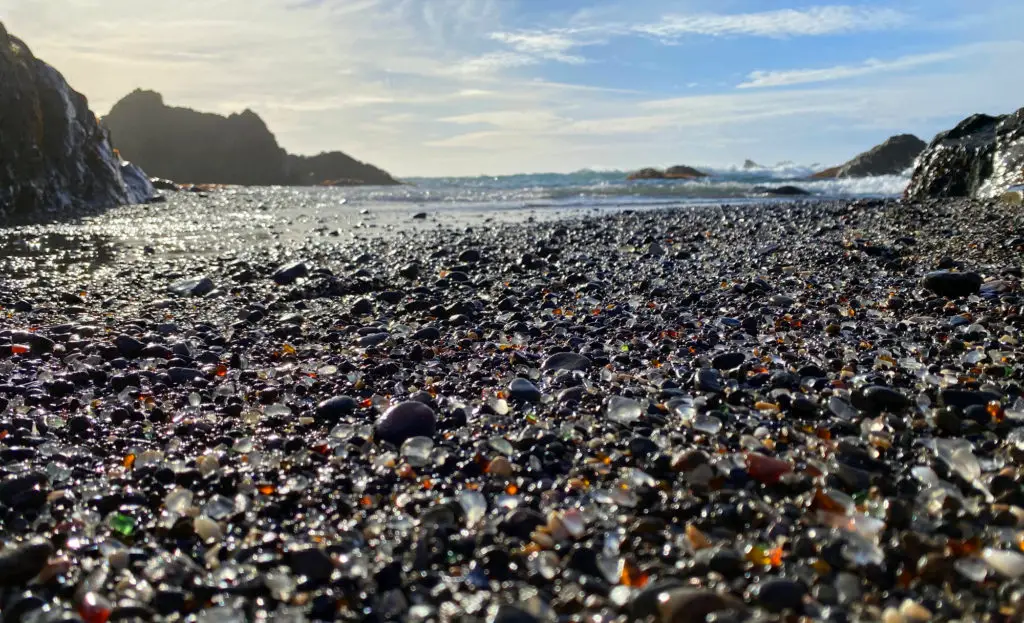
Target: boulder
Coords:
[[779, 191], [54, 156], [678, 172], [982, 157], [202, 148], [894, 156]]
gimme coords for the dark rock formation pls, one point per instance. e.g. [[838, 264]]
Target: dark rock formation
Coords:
[[892, 157], [749, 164], [780, 191], [335, 169], [136, 183], [679, 172], [981, 157], [54, 156], [203, 148]]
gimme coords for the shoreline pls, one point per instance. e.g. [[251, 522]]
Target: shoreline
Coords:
[[757, 407]]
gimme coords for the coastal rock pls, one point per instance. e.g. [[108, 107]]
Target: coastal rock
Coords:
[[54, 155], [981, 157], [679, 172], [202, 148], [137, 184], [749, 164], [894, 156], [335, 169], [779, 191]]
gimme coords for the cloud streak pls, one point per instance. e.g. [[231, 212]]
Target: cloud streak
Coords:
[[762, 79], [810, 22], [790, 77], [532, 47]]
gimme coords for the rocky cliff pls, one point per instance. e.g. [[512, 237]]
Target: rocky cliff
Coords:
[[981, 157], [54, 156], [203, 148], [894, 156]]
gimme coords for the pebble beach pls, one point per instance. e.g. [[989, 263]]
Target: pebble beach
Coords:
[[213, 410]]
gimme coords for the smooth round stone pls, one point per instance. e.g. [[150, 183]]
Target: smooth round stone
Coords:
[[877, 398], [199, 286], [374, 339], [728, 361], [469, 256], [312, 562], [290, 273], [677, 604], [523, 390], [20, 564], [512, 614], [334, 408], [952, 285], [965, 398], [426, 334], [708, 380], [780, 594], [1006, 563], [406, 420], [567, 361]]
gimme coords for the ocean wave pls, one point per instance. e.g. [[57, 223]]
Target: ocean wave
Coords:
[[601, 188]]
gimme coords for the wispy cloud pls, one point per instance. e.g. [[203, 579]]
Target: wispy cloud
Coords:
[[531, 47], [810, 22], [790, 77]]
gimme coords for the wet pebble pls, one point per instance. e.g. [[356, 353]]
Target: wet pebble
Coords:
[[406, 420]]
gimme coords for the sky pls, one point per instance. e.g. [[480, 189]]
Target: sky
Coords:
[[472, 87]]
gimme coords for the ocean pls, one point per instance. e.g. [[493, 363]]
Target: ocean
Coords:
[[611, 189]]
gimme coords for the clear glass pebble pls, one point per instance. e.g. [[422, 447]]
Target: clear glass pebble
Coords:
[[624, 410], [416, 451]]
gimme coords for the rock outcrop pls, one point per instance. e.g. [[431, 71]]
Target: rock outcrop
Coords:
[[204, 148], [749, 164], [335, 169], [982, 157], [779, 191], [54, 156], [894, 156], [679, 172]]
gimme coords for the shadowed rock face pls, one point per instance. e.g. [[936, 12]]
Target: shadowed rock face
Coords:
[[203, 148], [981, 157], [894, 156], [54, 156], [335, 169]]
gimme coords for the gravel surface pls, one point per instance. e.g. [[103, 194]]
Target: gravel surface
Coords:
[[712, 413]]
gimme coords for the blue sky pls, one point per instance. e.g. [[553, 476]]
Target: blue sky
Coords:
[[466, 87]]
